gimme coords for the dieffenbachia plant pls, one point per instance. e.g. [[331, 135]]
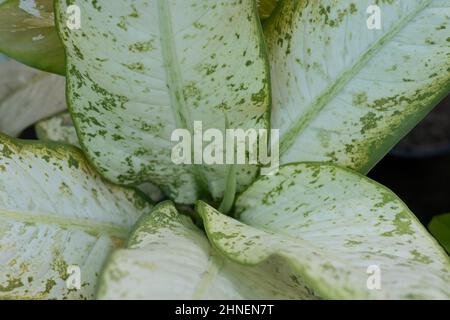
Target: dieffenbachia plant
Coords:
[[342, 94], [440, 228]]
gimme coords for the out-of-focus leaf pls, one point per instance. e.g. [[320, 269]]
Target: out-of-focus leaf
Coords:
[[27, 95], [266, 8], [440, 228], [58, 128], [28, 34]]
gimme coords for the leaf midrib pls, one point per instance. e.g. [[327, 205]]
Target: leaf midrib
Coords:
[[175, 83], [86, 225], [215, 264], [322, 100]]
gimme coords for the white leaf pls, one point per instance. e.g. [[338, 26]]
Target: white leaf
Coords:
[[168, 257], [57, 215], [341, 232], [346, 93]]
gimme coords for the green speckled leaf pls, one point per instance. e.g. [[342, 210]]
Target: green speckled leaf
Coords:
[[168, 257], [58, 128], [28, 34], [348, 94], [27, 95], [266, 7], [332, 226], [137, 70], [57, 213], [440, 228]]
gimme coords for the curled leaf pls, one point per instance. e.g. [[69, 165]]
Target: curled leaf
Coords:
[[345, 236], [168, 257], [27, 96]]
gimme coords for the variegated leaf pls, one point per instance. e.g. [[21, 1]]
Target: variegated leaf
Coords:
[[346, 92], [138, 70], [345, 236], [60, 128], [58, 221], [168, 257]]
